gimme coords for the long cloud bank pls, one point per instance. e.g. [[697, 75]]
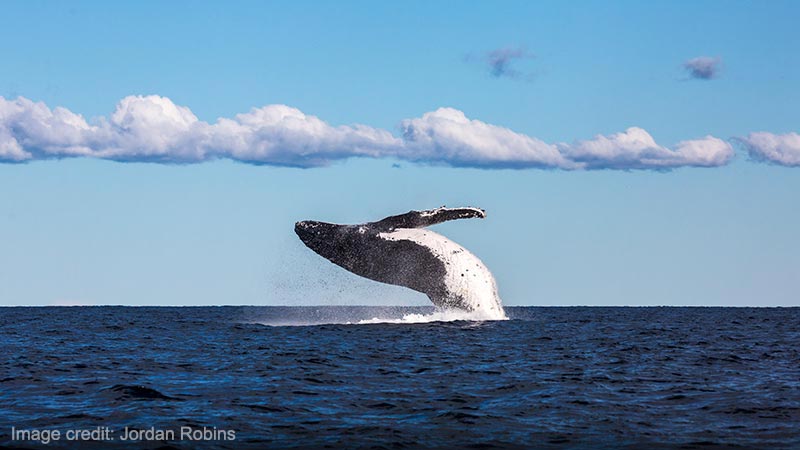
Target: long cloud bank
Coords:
[[154, 129]]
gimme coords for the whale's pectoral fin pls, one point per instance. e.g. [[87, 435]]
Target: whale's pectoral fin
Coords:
[[421, 219]]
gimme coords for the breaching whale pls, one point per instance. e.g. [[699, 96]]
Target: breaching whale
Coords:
[[399, 250]]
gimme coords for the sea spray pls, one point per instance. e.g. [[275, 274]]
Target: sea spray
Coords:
[[439, 315]]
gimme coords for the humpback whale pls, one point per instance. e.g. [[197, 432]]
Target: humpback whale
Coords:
[[400, 250]]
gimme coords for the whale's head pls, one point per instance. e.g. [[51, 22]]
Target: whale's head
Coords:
[[322, 237]]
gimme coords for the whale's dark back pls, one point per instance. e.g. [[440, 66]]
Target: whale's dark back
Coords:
[[359, 249]]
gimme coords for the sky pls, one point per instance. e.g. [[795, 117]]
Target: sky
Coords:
[[626, 153]]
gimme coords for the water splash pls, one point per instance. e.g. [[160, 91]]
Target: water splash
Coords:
[[439, 315], [360, 315]]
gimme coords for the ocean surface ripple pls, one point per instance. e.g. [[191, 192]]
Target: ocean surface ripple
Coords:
[[371, 377]]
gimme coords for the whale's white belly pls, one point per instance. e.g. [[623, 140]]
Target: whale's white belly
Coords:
[[467, 277]]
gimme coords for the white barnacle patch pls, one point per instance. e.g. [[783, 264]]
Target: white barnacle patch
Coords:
[[479, 291], [430, 213]]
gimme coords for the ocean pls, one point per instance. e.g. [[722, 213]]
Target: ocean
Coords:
[[395, 378]]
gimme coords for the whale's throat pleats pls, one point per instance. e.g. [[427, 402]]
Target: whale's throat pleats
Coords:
[[466, 282]]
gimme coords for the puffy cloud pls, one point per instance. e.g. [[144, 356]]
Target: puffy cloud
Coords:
[[448, 136], [782, 149], [150, 128], [703, 67], [10, 149], [154, 129], [636, 149], [31, 130], [282, 135]]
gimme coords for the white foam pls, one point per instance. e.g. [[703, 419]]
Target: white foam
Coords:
[[442, 315], [384, 315]]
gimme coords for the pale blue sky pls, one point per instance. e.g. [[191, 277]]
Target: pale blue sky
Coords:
[[101, 232]]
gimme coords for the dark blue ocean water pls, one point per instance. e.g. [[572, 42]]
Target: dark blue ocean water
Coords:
[[548, 378]]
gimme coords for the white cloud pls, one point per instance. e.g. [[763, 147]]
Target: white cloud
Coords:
[[31, 130], [448, 136], [154, 129], [282, 135], [10, 150], [782, 149], [636, 149], [150, 128]]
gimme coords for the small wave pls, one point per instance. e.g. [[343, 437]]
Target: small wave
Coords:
[[138, 392]]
